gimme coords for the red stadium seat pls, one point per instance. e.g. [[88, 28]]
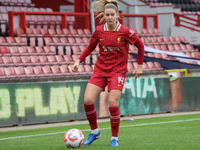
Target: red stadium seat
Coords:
[[82, 70], [31, 50], [43, 60], [158, 66], [47, 71], [11, 41], [35, 60], [151, 66], [74, 32], [64, 69], [40, 50], [2, 74], [38, 71], [56, 70], [88, 33], [81, 33], [23, 50], [130, 67], [157, 55], [76, 50], [29, 72], [19, 71], [49, 51], [60, 60], [7, 61], [3, 42], [9, 72], [26, 60], [16, 61], [88, 69], [131, 58], [68, 59], [52, 60], [14, 51]]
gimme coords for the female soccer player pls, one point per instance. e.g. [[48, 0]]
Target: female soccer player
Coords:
[[111, 66]]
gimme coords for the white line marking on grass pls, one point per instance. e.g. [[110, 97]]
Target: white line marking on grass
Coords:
[[134, 125]]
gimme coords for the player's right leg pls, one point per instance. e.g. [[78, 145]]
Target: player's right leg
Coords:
[[91, 93]]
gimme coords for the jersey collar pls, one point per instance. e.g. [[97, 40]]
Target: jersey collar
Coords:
[[116, 29]]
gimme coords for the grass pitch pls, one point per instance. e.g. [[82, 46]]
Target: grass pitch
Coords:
[[163, 133]]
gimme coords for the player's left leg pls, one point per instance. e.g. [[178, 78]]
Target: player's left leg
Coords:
[[114, 97]]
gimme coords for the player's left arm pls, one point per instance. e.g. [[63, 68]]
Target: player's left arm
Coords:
[[139, 44]]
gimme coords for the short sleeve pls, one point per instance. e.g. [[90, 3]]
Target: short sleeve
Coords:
[[94, 38], [130, 36]]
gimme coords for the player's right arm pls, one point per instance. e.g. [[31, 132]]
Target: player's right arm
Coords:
[[93, 43]]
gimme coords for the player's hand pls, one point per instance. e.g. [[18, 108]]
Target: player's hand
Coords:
[[138, 71], [76, 64]]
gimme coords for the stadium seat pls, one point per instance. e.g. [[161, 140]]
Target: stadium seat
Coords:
[[13, 51], [2, 74], [157, 47], [133, 48], [171, 48], [68, 59], [87, 32], [130, 67], [64, 70], [164, 47], [11, 41], [44, 60], [190, 48], [26, 60], [56, 70], [80, 41], [166, 40], [160, 40], [31, 50], [16, 61], [88, 69], [150, 55], [67, 32], [76, 50], [38, 71], [72, 41], [145, 67], [86, 40], [74, 32], [81, 70], [23, 51], [35, 60], [60, 60], [19, 71], [81, 33], [47, 71], [172, 39], [9, 72], [20, 41], [49, 51], [158, 66], [29, 72], [7, 61], [146, 32], [40, 50], [151, 66], [158, 56], [3, 42], [61, 33], [52, 60], [157, 32]]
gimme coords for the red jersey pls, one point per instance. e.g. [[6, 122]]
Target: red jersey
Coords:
[[113, 46]]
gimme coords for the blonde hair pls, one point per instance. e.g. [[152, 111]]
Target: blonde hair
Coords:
[[100, 6]]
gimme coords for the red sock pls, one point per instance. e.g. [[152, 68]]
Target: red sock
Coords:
[[114, 120], [91, 114]]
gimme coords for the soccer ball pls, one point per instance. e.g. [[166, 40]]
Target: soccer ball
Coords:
[[73, 138]]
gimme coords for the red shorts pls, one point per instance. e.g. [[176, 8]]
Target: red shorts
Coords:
[[116, 82]]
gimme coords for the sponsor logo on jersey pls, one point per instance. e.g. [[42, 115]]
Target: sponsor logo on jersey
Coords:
[[105, 49], [118, 40], [101, 39], [132, 32]]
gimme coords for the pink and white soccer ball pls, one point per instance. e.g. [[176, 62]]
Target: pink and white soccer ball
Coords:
[[73, 138]]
